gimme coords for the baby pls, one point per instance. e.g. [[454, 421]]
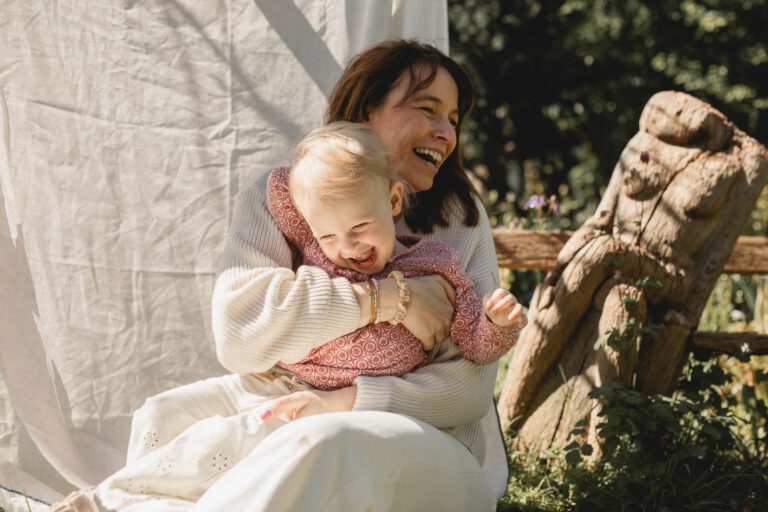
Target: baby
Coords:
[[337, 206]]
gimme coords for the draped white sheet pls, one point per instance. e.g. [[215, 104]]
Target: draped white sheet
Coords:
[[126, 129]]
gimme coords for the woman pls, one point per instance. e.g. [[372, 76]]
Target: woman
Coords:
[[415, 99], [413, 443]]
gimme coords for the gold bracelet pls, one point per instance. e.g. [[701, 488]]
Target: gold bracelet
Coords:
[[377, 300], [403, 297], [373, 292]]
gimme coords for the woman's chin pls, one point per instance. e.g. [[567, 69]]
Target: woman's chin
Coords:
[[422, 184], [421, 176]]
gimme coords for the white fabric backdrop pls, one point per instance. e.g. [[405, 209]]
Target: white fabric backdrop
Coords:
[[126, 130]]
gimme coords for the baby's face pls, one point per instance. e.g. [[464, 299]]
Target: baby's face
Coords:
[[359, 232]]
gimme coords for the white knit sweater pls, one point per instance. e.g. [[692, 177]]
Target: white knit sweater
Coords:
[[264, 312]]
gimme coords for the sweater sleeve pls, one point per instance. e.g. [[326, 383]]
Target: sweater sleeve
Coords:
[[479, 339], [264, 312], [451, 391]]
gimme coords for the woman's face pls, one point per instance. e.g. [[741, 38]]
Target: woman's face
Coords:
[[419, 133]]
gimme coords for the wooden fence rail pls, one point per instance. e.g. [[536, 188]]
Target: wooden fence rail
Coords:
[[537, 250]]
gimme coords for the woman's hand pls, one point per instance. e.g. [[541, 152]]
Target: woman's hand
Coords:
[[430, 309], [311, 402]]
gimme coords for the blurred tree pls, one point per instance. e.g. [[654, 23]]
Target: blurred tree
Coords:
[[561, 84]]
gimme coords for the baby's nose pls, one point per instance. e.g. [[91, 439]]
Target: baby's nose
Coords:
[[349, 248]]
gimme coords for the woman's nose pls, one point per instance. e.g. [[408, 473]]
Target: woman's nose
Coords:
[[445, 130]]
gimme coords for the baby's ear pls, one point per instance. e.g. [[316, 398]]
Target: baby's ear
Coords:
[[396, 191]]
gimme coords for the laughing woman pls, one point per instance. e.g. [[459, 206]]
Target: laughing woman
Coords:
[[411, 443], [428, 440]]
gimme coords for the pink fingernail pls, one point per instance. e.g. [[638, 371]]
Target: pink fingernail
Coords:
[[266, 415]]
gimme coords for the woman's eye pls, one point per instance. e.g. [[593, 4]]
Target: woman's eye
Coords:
[[428, 110], [454, 122]]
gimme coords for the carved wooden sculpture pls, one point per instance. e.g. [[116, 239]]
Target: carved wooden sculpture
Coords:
[[679, 195]]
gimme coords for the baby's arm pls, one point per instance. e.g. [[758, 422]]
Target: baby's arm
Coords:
[[486, 332]]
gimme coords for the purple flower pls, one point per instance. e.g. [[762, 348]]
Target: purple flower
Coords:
[[645, 157], [535, 201]]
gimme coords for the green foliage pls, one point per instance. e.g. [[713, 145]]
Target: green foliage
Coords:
[[737, 303], [561, 85], [685, 452], [625, 335], [758, 222], [704, 448]]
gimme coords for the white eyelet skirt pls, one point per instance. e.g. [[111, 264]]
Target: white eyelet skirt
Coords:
[[202, 447]]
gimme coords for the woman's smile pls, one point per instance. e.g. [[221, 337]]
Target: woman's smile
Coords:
[[429, 155]]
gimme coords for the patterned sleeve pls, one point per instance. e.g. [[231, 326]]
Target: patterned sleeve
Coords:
[[478, 338]]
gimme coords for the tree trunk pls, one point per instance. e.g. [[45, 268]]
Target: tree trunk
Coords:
[[679, 195]]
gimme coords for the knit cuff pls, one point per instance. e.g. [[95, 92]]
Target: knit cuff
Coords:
[[373, 394]]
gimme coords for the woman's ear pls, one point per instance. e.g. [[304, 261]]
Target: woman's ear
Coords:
[[396, 197]]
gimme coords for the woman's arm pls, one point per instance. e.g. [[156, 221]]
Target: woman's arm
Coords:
[[445, 394], [264, 312]]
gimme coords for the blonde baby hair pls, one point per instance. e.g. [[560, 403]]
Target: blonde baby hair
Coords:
[[338, 161]]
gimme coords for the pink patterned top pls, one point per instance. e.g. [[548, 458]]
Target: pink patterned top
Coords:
[[383, 349]]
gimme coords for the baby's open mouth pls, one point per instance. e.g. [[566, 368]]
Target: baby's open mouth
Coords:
[[365, 259]]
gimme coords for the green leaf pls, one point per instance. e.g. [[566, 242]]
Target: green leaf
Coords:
[[572, 457], [628, 302]]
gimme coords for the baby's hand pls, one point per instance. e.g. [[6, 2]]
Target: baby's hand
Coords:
[[503, 309]]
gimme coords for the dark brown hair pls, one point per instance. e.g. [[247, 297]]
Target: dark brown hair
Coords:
[[364, 85]]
